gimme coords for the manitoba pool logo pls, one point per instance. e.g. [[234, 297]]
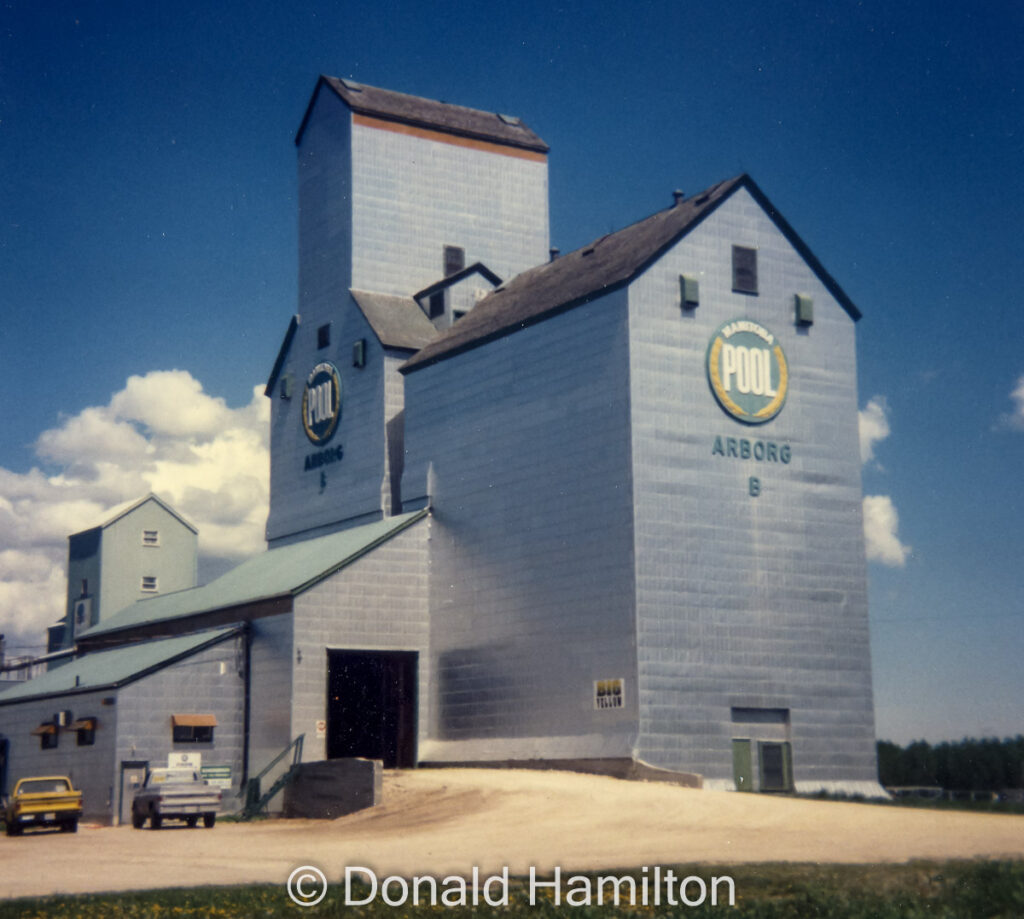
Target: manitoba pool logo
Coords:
[[747, 371], [321, 403]]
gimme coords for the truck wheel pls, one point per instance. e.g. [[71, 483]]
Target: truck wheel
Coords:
[[13, 829], [138, 821], [209, 820], [69, 826], [190, 822], [155, 821]]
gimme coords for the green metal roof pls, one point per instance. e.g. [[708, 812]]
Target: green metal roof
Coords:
[[103, 669], [284, 571]]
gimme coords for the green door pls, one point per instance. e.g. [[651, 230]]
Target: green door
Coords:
[[742, 765]]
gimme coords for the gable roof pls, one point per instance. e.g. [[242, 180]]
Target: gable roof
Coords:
[[398, 322], [599, 268], [126, 507], [282, 353], [112, 668], [426, 113], [263, 585], [476, 268]]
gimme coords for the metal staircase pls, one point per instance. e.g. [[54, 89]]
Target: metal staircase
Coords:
[[255, 802]]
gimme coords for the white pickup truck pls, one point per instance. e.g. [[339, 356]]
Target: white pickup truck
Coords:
[[175, 794]]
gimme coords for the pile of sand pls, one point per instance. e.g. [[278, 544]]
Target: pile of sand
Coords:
[[448, 821]]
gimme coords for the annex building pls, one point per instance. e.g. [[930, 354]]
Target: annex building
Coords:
[[599, 510]]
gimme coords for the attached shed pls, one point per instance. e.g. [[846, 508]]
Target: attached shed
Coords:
[[103, 717]]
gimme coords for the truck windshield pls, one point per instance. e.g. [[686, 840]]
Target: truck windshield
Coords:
[[43, 786], [158, 776]]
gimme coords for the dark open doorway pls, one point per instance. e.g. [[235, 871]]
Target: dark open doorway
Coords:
[[371, 706], [3, 765]]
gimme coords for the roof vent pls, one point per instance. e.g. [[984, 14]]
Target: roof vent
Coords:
[[677, 196], [352, 85], [510, 119], [553, 253]]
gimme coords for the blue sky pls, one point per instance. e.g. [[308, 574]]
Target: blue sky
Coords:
[[148, 224]]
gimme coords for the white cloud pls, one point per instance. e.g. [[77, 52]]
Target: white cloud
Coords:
[[881, 523], [873, 424], [161, 433], [1015, 419]]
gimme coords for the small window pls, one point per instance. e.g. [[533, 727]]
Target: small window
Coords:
[[85, 587], [744, 270], [804, 309], [454, 260], [193, 728], [689, 292], [85, 728], [149, 538], [83, 611], [436, 306], [192, 734], [149, 583], [323, 336], [47, 734]]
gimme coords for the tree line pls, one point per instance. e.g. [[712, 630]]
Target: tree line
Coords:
[[988, 764]]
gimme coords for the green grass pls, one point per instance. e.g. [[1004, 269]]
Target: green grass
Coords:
[[918, 890], [939, 804]]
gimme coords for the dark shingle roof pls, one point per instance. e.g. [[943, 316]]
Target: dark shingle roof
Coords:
[[599, 268], [428, 113], [397, 321]]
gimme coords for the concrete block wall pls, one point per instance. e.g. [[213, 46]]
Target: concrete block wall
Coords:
[[379, 603], [208, 682], [90, 768], [748, 601], [133, 723], [523, 448], [270, 685]]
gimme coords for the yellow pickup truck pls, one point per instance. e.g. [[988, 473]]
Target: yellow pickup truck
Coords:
[[46, 801]]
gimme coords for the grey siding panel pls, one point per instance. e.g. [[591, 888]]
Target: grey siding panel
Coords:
[[412, 196], [394, 414], [744, 601], [523, 446], [126, 560], [325, 276], [379, 602], [321, 499]]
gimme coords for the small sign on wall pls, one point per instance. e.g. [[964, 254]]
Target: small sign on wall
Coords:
[[321, 728], [218, 776], [609, 693], [184, 760]]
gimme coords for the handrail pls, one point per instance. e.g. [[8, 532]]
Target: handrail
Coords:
[[256, 802], [296, 759]]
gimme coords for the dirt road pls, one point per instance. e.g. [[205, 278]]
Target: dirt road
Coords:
[[441, 822]]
